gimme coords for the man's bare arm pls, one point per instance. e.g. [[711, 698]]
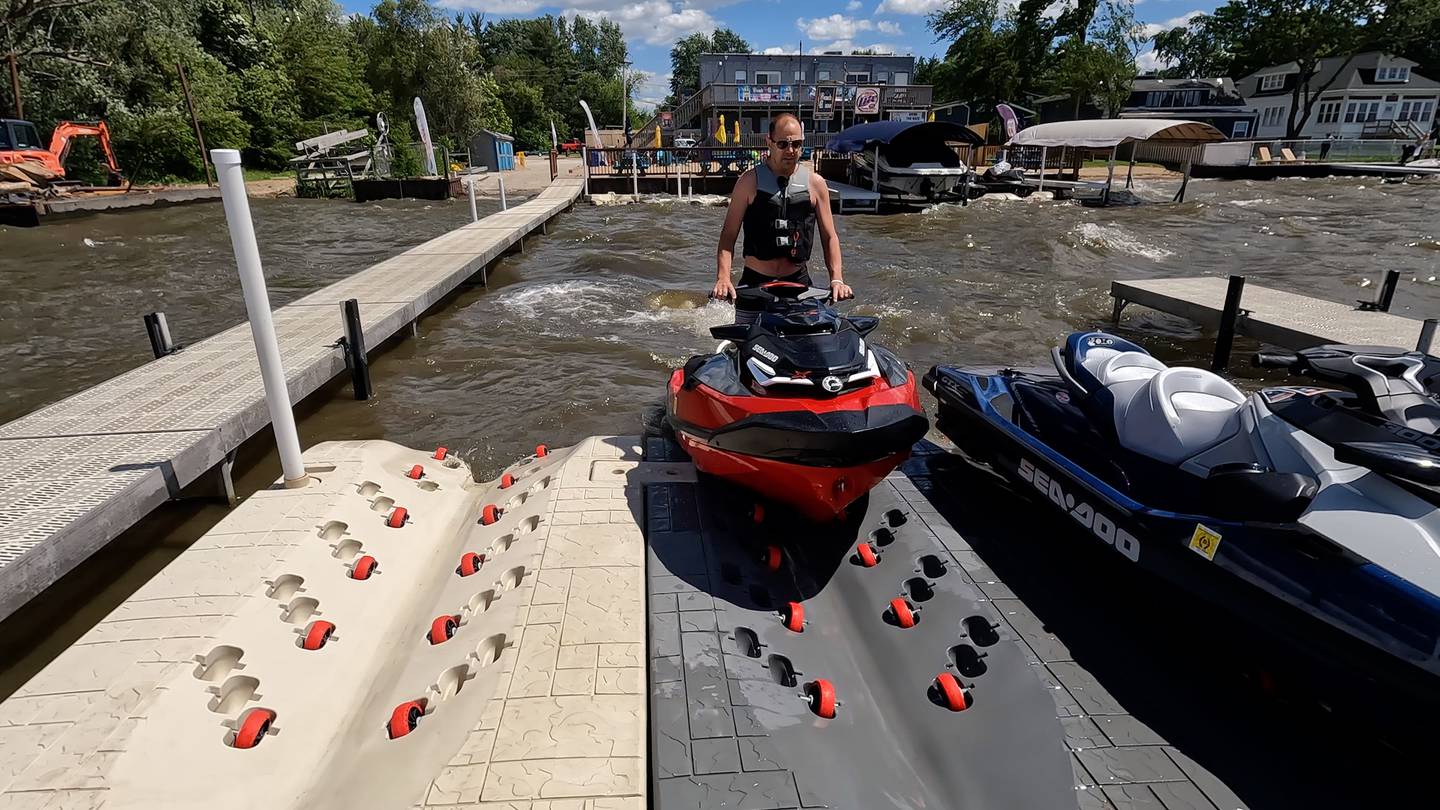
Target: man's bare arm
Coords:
[[829, 237], [725, 253]]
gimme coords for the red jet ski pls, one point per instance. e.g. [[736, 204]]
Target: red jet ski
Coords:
[[796, 406]]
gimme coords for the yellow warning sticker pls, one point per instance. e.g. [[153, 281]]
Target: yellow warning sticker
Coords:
[[1205, 542]]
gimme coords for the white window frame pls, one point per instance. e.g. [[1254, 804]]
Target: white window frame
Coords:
[[798, 76], [822, 75], [1240, 129], [1272, 81], [1328, 112], [767, 77], [1393, 73], [902, 79], [739, 77]]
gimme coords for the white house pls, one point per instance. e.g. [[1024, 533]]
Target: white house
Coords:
[[1374, 96]]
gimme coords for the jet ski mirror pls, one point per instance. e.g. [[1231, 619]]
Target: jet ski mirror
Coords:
[[1392, 459]]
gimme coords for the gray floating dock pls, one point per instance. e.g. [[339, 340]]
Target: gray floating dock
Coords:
[[1272, 316], [848, 199], [72, 206], [75, 474]]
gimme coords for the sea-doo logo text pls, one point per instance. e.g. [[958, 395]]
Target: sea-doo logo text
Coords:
[[832, 384], [1098, 524], [768, 355], [1411, 435]]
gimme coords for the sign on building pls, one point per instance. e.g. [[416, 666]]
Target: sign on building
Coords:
[[667, 120], [824, 104], [867, 101], [765, 92], [907, 115]]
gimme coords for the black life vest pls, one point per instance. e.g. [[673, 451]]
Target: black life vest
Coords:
[[780, 222]]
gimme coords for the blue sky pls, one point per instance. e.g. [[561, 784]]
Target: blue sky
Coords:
[[651, 26]]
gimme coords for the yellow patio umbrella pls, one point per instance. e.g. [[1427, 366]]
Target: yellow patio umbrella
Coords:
[[658, 143], [720, 133], [737, 132], [932, 115]]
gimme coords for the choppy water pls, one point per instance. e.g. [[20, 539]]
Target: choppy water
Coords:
[[577, 336]]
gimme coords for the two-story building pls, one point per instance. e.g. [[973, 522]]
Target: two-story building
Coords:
[[1216, 102], [1369, 95], [828, 91]]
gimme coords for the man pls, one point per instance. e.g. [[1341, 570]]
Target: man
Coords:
[[780, 203]]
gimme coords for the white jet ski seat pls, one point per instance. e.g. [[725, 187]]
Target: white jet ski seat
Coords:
[[1175, 413]]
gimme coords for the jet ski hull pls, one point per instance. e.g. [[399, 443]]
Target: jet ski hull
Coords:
[[1024, 428], [817, 455]]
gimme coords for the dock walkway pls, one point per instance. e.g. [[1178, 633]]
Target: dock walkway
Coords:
[[75, 474], [1273, 316]]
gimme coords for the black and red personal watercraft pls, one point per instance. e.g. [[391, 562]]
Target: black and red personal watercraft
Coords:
[[795, 405]]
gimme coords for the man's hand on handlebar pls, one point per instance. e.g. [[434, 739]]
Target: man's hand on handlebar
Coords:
[[840, 291], [724, 290]]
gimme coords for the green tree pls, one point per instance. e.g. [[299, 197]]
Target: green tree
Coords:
[[685, 59]]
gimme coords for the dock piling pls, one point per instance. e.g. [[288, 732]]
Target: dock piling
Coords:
[[356, 357], [158, 328], [1427, 335], [474, 215], [1225, 339], [504, 205], [257, 306]]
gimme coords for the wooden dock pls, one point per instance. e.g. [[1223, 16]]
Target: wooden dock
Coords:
[[75, 474], [1272, 316]]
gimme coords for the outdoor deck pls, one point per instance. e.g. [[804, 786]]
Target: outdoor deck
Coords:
[[75, 474], [1273, 316]]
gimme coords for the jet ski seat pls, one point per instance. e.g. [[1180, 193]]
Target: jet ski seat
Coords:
[[1175, 413]]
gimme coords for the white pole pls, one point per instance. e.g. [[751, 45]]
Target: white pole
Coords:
[[474, 215], [257, 306], [585, 163], [503, 204], [1044, 152]]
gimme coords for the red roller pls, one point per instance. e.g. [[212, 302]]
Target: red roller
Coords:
[[904, 614], [317, 634], [364, 567], [506, 481], [253, 727], [443, 629], [822, 697], [757, 513], [441, 453], [398, 516], [405, 718], [773, 558], [866, 553], [541, 451], [490, 514], [417, 472], [952, 692], [470, 563], [794, 616]]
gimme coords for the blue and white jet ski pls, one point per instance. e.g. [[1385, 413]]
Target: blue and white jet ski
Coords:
[[1325, 500]]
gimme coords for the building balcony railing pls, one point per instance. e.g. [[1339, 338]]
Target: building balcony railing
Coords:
[[733, 96]]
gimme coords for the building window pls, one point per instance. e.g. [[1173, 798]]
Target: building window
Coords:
[[902, 78], [1392, 74], [857, 77], [1415, 111], [1272, 81], [739, 77], [1240, 129], [882, 78], [798, 76], [767, 77], [1273, 116], [1329, 113], [822, 75], [1359, 112]]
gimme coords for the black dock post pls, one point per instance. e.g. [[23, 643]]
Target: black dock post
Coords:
[[1427, 336], [1226, 337], [1387, 290], [158, 328], [355, 356]]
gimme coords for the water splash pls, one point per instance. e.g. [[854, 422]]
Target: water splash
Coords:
[[1114, 238]]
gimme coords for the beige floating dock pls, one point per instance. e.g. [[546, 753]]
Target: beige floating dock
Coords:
[[1272, 316], [77, 473], [538, 699]]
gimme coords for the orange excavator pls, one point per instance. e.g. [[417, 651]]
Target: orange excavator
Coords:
[[19, 142]]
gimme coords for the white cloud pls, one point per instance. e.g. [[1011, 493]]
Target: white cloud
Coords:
[[910, 6], [836, 26], [1151, 29], [853, 5], [887, 27], [492, 6], [655, 22], [650, 88], [1150, 60], [846, 46], [774, 50]]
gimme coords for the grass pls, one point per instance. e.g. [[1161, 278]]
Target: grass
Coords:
[[267, 174]]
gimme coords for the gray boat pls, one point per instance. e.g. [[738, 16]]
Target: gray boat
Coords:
[[917, 163]]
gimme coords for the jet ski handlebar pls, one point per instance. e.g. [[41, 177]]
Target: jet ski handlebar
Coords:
[[1283, 360]]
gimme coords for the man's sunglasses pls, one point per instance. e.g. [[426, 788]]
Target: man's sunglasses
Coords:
[[790, 144]]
